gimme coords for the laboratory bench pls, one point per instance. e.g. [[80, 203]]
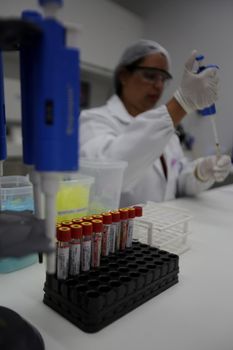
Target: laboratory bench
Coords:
[[196, 313]]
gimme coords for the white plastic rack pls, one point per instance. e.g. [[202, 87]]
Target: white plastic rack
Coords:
[[164, 227]]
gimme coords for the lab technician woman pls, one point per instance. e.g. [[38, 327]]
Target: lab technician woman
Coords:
[[129, 128]]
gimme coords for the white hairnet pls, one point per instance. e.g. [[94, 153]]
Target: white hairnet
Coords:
[[140, 49], [134, 52]]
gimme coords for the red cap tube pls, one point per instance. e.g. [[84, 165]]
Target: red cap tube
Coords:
[[63, 234], [76, 231], [107, 218], [124, 213], [97, 225], [87, 228], [131, 213], [138, 210], [116, 216]]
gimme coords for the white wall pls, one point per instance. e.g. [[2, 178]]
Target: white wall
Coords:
[[100, 88], [106, 28], [205, 25]]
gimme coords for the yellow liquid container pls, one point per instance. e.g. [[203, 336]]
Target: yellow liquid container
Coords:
[[73, 196]]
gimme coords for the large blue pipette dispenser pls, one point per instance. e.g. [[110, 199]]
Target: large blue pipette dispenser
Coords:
[[50, 98], [2, 115], [211, 110]]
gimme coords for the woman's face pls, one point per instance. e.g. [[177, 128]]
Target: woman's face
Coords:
[[143, 87]]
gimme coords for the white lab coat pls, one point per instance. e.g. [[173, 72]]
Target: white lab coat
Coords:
[[111, 132]]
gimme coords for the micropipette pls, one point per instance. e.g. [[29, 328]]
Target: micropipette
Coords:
[[2, 120], [50, 105], [2, 124], [209, 111]]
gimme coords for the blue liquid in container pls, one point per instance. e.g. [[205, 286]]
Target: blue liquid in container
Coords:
[[16, 194]]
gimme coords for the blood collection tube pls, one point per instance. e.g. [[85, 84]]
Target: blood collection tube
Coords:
[[66, 223], [131, 216], [97, 216], [87, 218], [115, 233], [86, 245], [96, 242], [57, 227], [107, 221], [63, 248], [75, 249], [77, 221], [124, 227], [138, 210]]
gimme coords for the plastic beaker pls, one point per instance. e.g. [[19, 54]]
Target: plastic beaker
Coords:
[[16, 194], [108, 175]]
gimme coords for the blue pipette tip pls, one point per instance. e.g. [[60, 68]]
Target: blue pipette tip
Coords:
[[46, 2], [212, 66], [200, 57]]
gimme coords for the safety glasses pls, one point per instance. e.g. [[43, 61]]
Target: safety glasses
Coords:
[[152, 75]]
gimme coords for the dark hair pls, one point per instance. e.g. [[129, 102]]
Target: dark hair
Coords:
[[129, 68]]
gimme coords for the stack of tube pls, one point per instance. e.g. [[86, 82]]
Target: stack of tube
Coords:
[[82, 242]]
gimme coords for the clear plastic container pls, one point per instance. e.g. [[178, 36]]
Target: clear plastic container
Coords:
[[16, 194], [73, 196], [13, 264], [108, 175]]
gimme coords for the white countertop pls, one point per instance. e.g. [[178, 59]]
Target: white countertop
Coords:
[[196, 313]]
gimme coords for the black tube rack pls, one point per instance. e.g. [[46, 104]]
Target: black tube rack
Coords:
[[125, 280]]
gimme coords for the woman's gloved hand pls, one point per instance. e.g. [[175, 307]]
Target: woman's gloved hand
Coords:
[[213, 168], [197, 91]]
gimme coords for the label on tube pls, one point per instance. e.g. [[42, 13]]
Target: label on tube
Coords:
[[86, 255], [130, 234], [62, 262], [75, 253], [96, 249], [105, 240]]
